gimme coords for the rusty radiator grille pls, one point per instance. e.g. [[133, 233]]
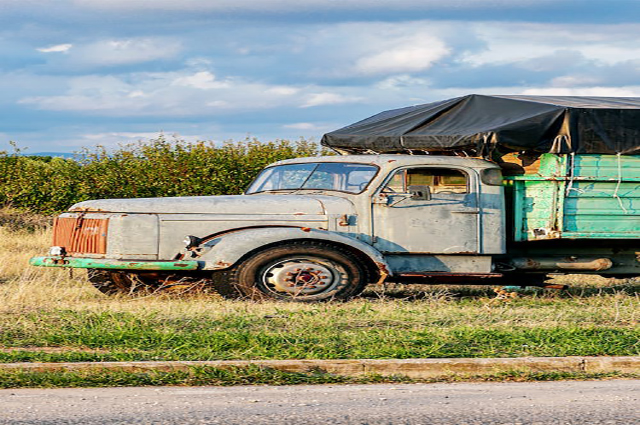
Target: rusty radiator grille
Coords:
[[81, 235]]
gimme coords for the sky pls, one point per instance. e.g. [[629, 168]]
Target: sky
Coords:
[[80, 73]]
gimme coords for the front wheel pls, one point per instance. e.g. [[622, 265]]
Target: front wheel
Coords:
[[114, 282], [302, 272]]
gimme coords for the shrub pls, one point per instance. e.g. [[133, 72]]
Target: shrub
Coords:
[[144, 169]]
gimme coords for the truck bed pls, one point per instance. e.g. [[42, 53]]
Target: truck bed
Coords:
[[582, 196]]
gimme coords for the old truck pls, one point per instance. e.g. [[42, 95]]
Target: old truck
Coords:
[[403, 208]]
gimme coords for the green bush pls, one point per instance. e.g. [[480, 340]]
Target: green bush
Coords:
[[144, 169]]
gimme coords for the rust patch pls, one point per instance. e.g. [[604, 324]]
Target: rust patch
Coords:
[[60, 261], [81, 235], [223, 264], [87, 209], [384, 273], [180, 265], [305, 229], [556, 286]]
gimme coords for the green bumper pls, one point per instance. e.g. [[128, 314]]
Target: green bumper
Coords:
[[93, 263]]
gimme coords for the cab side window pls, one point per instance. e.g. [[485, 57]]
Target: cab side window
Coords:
[[440, 180]]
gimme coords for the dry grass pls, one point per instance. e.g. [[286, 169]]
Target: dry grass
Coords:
[[592, 300], [50, 315]]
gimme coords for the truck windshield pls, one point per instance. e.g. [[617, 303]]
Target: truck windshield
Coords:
[[344, 177]]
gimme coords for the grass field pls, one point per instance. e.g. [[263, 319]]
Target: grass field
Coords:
[[53, 315]]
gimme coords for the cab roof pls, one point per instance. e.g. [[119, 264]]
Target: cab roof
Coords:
[[395, 160]]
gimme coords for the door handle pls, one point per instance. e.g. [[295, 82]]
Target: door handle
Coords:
[[465, 212]]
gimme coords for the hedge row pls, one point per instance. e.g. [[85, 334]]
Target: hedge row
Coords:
[[144, 169]]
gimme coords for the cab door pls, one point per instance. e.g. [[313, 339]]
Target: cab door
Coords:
[[442, 219]]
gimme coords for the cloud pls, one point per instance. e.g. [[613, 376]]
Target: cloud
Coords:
[[400, 81], [58, 48], [574, 80], [327, 98], [115, 138], [308, 126], [404, 55], [283, 90], [204, 80], [280, 78], [551, 44], [296, 5], [123, 51], [181, 93], [629, 91]]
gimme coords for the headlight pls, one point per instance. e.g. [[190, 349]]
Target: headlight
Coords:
[[191, 241], [57, 251]]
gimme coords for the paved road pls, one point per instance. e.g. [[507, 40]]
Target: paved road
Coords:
[[591, 402]]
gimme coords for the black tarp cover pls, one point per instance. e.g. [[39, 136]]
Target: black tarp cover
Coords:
[[479, 124]]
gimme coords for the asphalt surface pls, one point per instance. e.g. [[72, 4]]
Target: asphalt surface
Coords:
[[586, 402]]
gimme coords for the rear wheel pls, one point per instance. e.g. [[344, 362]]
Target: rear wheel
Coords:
[[300, 271]]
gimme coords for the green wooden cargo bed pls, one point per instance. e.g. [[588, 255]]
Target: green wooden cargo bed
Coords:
[[587, 196]]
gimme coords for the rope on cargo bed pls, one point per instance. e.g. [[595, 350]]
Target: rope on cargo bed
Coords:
[[572, 176], [615, 192]]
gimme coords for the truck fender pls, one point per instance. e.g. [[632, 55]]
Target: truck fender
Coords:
[[224, 251]]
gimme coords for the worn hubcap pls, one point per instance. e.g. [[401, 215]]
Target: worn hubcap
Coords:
[[301, 277]]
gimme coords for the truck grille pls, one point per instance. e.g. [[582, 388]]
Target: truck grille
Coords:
[[81, 235]]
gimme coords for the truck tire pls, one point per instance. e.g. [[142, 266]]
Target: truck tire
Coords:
[[221, 281], [305, 271], [114, 282]]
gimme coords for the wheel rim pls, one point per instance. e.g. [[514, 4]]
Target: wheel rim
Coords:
[[303, 276]]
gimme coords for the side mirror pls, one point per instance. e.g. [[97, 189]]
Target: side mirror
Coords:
[[420, 192]]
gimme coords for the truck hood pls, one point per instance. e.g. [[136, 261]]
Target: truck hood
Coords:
[[230, 204]]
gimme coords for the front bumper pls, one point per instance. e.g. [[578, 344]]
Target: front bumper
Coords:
[[93, 263]]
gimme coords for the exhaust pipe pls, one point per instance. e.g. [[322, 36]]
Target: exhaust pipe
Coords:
[[567, 263]]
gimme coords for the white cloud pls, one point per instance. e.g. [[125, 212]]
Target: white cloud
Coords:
[[327, 98], [404, 55], [623, 91], [181, 93], [115, 52], [116, 138], [400, 81], [353, 49], [58, 48], [297, 5], [204, 80], [219, 104], [507, 43], [305, 126], [574, 80], [628, 91], [283, 90]]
